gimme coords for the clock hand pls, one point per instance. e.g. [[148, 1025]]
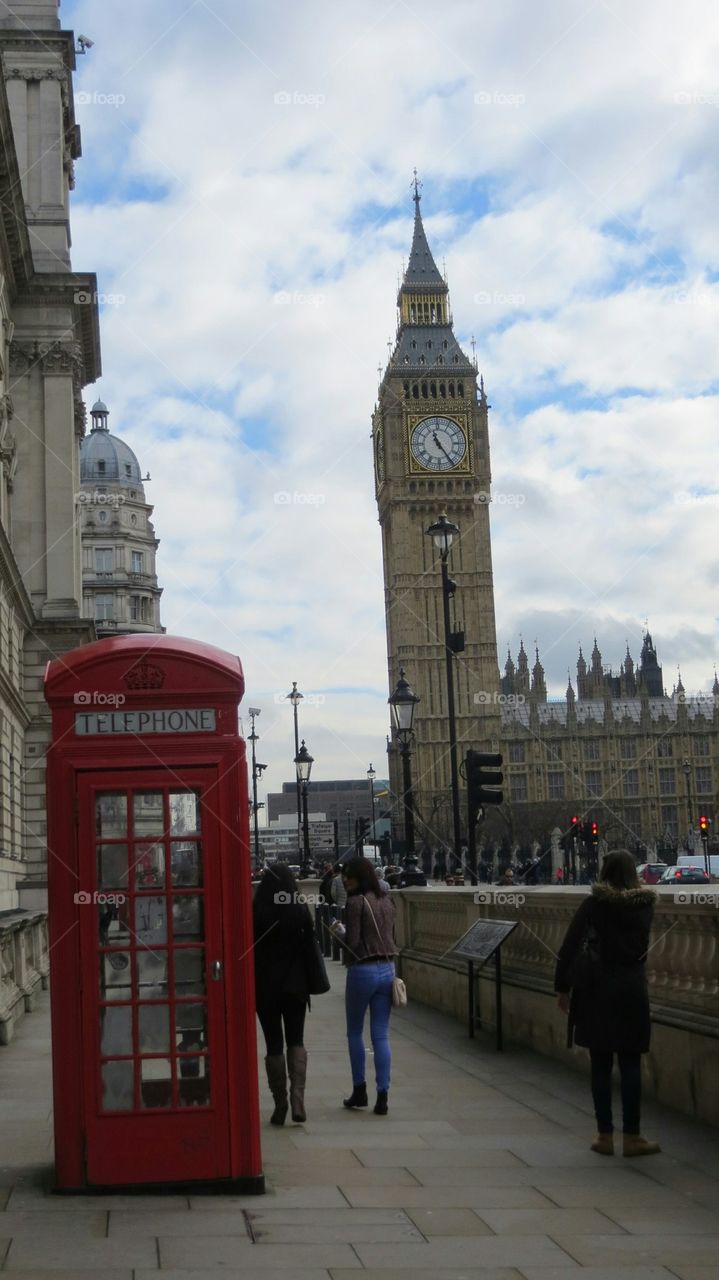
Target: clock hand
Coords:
[[439, 445]]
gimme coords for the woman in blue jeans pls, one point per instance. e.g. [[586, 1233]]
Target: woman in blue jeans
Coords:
[[369, 951]]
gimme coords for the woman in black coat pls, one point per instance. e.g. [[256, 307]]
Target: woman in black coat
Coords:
[[602, 963], [283, 930]]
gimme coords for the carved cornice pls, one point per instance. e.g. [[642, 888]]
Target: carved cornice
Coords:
[[56, 358], [36, 73]]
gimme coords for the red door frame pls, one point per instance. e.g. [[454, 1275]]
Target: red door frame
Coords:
[[140, 1144]]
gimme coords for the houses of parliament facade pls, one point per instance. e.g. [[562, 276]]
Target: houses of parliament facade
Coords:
[[617, 749]]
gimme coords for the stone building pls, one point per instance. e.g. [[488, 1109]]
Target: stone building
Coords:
[[643, 764], [49, 350], [119, 546], [431, 455]]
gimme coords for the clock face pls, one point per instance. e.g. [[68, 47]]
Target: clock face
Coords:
[[438, 444]]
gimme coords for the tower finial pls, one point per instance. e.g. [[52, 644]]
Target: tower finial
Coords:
[[417, 187]]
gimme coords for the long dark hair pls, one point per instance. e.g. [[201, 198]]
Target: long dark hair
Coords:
[[619, 870], [277, 889], [362, 870]]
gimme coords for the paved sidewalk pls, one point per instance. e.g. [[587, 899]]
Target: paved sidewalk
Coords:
[[481, 1169]]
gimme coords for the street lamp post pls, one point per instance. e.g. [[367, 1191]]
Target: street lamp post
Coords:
[[348, 812], [687, 771], [371, 775], [257, 770], [402, 705], [295, 698], [443, 533], [304, 762]]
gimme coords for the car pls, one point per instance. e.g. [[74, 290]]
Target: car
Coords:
[[685, 875], [651, 872]]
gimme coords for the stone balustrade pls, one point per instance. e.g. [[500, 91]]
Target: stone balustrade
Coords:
[[24, 965], [682, 969]]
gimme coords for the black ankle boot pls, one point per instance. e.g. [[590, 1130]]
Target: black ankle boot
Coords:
[[380, 1107], [359, 1097]]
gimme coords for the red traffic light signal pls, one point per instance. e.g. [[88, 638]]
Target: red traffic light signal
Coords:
[[575, 821], [703, 823], [595, 830]]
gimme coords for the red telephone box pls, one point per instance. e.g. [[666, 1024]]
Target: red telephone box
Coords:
[[150, 912]]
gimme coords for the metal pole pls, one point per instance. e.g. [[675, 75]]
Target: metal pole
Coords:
[[408, 800], [454, 771], [305, 829], [299, 785], [470, 977], [373, 840], [498, 994]]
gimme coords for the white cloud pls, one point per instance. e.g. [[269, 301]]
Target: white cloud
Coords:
[[257, 244]]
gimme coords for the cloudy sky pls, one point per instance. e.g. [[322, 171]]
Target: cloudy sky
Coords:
[[244, 196]]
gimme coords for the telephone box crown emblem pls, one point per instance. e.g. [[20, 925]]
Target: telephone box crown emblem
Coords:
[[145, 676]]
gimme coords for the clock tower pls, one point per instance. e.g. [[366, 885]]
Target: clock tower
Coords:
[[431, 456]]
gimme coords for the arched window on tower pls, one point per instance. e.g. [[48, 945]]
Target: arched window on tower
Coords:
[[433, 390], [460, 388], [424, 390], [443, 390], [451, 390], [421, 359], [405, 388], [415, 391], [433, 314]]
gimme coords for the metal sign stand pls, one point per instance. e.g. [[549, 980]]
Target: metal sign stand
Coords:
[[483, 942]]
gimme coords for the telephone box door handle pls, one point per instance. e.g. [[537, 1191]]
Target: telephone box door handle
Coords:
[[217, 971]]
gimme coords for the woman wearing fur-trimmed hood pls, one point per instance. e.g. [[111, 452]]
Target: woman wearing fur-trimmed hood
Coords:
[[602, 985]]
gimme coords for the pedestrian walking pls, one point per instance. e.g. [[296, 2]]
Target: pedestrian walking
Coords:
[[284, 931], [369, 950], [602, 986]]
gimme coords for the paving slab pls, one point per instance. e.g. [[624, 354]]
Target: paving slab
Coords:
[[206, 1252], [249, 1272], [439, 1273], [598, 1273], [74, 1253], [448, 1197], [629, 1250], [666, 1220], [449, 1222], [310, 1196], [476, 1251]]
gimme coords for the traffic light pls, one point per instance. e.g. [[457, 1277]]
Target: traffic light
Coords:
[[595, 831], [362, 830], [703, 824], [483, 777]]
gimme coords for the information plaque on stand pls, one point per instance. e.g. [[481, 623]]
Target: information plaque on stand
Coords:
[[482, 941]]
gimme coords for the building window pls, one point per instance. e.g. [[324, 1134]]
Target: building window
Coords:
[[665, 748], [104, 607], [103, 560], [138, 562], [590, 750], [102, 516], [700, 746], [703, 780], [518, 788], [631, 782], [101, 468], [139, 609], [555, 782], [128, 470], [667, 782], [516, 753], [593, 781], [133, 519], [554, 751], [629, 749], [669, 819]]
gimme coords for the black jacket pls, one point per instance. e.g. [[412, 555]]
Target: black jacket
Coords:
[[612, 1015], [281, 934]]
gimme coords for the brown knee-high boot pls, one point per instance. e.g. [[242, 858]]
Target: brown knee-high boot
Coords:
[[297, 1067], [277, 1080]]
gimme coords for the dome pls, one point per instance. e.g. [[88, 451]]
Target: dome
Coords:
[[103, 458]]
